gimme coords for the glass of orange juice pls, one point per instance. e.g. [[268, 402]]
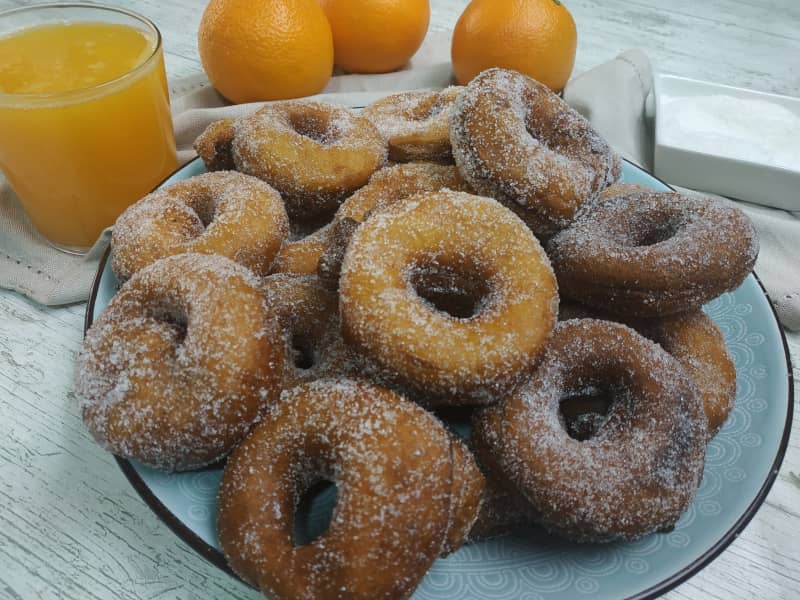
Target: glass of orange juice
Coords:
[[85, 126]]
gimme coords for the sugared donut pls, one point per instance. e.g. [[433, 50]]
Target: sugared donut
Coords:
[[314, 154], [180, 364], [416, 125], [301, 256], [621, 188], [515, 140], [466, 497], [329, 266], [309, 318], [654, 254], [223, 212], [397, 182], [213, 146], [449, 295], [638, 471], [385, 187], [393, 467], [503, 512], [699, 346]]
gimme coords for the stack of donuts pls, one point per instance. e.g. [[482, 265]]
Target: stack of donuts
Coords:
[[340, 288]]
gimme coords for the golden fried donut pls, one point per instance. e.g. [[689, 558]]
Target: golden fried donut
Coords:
[[515, 140], [699, 346], [214, 146], [309, 318], [397, 182], [466, 497], [414, 261], [621, 188], [654, 254], [329, 266], [416, 125], [638, 471], [180, 364], [314, 154], [301, 256], [393, 467], [223, 212]]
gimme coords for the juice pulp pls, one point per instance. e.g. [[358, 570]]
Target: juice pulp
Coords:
[[85, 126]]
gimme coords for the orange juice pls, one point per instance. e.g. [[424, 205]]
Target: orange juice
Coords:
[[85, 127]]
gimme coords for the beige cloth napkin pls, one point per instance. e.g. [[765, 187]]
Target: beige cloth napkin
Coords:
[[612, 96]]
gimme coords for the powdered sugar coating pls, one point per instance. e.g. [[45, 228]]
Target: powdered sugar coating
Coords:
[[639, 472], [309, 318], [415, 125], [314, 154], [473, 245], [398, 182], [224, 212], [301, 256], [391, 462], [654, 254], [213, 146], [515, 140], [180, 364]]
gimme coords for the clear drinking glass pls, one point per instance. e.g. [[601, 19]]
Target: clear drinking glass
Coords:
[[77, 154]]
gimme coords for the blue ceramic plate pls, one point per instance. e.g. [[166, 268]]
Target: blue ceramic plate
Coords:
[[742, 462]]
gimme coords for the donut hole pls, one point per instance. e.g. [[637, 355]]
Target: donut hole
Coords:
[[314, 510], [314, 125], [300, 228], [651, 233], [457, 289], [205, 207], [173, 317], [302, 351], [585, 411]]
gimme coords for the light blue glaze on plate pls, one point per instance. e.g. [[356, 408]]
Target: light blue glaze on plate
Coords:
[[536, 566]]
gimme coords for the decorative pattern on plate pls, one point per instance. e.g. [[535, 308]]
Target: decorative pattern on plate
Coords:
[[537, 566]]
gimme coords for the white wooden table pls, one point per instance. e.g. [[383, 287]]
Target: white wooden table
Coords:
[[72, 527]]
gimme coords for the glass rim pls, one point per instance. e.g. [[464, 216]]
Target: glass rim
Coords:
[[92, 88]]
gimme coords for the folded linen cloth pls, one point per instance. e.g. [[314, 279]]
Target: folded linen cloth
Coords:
[[613, 96]]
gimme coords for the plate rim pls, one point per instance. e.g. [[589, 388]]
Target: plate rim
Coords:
[[217, 557]]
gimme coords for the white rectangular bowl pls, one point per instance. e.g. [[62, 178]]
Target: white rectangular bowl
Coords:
[[681, 164]]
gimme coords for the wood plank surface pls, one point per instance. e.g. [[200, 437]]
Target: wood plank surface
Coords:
[[71, 527]]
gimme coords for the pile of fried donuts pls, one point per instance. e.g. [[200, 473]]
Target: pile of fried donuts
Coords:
[[341, 289]]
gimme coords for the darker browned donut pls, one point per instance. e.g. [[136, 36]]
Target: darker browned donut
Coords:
[[309, 318], [395, 467], [654, 254], [638, 472], [696, 342], [515, 140]]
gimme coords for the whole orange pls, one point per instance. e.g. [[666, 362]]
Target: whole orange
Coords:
[[535, 37], [265, 49], [376, 36]]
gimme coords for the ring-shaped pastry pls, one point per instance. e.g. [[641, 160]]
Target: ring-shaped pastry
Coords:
[[515, 140], [639, 470], [224, 212], [654, 254], [181, 363], [448, 294], [416, 125], [314, 154], [393, 466]]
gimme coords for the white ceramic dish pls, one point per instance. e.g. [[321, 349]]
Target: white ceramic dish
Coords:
[[736, 153]]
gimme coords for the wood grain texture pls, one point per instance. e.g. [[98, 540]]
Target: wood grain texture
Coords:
[[71, 527]]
